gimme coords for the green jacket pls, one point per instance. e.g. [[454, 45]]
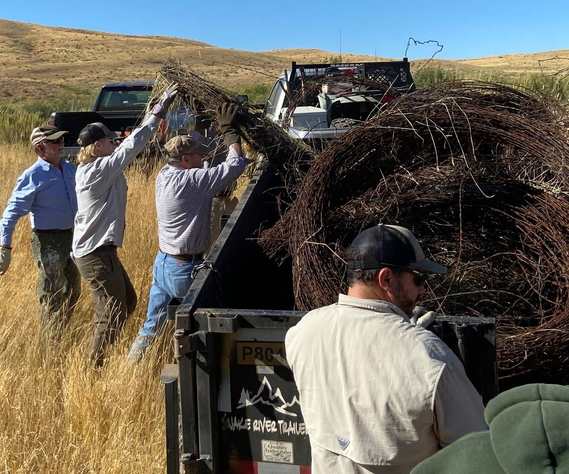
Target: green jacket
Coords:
[[529, 434]]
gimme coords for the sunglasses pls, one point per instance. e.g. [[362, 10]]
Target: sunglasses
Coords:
[[419, 278], [57, 140]]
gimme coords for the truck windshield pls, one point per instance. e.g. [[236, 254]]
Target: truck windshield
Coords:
[[131, 99]]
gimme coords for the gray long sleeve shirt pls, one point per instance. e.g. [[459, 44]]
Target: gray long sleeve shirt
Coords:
[[101, 193], [183, 203]]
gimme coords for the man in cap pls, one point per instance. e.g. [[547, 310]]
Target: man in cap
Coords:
[[184, 193], [101, 217], [378, 393], [46, 190]]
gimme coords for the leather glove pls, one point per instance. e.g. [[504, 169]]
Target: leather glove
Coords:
[[203, 119], [5, 259], [165, 101], [226, 115], [422, 318]]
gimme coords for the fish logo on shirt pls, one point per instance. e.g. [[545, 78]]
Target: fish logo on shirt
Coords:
[[343, 442]]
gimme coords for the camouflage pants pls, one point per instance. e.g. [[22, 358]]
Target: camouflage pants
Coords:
[[114, 297], [59, 280]]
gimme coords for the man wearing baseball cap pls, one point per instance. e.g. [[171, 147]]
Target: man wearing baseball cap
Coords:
[[184, 193], [379, 393], [46, 191]]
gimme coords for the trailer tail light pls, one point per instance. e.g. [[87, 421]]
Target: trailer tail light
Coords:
[[254, 467]]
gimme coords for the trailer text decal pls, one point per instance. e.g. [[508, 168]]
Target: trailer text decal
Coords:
[[263, 425]]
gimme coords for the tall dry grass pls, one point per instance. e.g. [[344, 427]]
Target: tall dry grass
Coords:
[[58, 414]]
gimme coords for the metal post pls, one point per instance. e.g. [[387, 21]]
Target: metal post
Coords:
[[169, 377]]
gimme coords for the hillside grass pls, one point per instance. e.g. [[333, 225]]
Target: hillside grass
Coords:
[[556, 85]]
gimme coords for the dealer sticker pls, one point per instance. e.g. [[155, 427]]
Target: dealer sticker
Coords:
[[277, 451]]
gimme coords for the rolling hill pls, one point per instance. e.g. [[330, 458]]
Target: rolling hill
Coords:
[[39, 61]]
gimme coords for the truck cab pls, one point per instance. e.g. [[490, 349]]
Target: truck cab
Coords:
[[317, 102]]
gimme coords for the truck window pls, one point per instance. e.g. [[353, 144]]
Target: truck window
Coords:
[[118, 99]]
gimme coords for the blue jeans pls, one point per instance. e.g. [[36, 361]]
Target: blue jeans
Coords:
[[171, 278]]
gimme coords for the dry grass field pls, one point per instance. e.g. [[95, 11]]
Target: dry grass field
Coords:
[[57, 414]]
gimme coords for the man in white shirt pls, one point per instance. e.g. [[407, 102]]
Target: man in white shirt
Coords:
[[378, 393]]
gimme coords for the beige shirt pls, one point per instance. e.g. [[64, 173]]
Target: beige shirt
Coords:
[[378, 394]]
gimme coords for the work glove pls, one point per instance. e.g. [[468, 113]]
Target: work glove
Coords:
[[5, 259], [203, 119], [165, 101], [226, 115], [422, 318]]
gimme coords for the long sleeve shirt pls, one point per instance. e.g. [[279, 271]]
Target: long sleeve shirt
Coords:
[[378, 394], [183, 203], [101, 193], [47, 194]]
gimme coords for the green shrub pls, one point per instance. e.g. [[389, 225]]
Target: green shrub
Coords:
[[19, 117], [257, 93], [555, 85], [435, 75], [16, 124]]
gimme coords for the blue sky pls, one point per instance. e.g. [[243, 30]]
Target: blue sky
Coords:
[[465, 29]]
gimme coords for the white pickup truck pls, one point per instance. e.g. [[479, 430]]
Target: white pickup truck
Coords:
[[316, 102]]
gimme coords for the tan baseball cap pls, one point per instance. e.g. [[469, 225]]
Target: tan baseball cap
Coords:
[[46, 132], [184, 145]]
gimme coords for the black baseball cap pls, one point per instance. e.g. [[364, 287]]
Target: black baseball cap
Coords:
[[385, 245], [93, 132]]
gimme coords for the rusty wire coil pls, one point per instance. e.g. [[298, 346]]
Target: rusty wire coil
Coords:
[[479, 173]]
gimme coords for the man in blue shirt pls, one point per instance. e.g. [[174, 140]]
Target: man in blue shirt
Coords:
[[46, 191]]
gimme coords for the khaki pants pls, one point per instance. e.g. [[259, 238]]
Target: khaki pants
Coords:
[[113, 295], [59, 283], [220, 206]]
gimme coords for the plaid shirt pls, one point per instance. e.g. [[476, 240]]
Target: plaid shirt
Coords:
[[183, 203]]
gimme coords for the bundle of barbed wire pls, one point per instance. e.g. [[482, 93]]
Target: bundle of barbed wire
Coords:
[[479, 173], [291, 157]]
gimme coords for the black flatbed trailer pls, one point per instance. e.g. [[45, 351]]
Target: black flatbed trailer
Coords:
[[231, 402]]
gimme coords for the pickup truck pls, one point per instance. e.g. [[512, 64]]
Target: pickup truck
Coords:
[[317, 102], [120, 106]]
